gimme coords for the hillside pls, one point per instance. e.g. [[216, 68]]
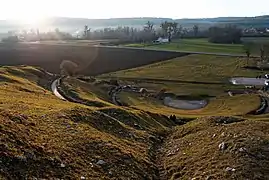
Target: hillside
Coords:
[[73, 24], [43, 137]]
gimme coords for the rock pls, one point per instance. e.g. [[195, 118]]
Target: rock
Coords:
[[62, 165], [242, 149], [82, 177], [100, 162], [229, 169], [222, 146], [214, 135], [136, 126]]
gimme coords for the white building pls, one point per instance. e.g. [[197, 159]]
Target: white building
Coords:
[[162, 40]]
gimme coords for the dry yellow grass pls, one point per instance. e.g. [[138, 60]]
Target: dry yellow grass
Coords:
[[219, 106], [44, 137]]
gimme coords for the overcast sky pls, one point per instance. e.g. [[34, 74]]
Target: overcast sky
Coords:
[[33, 9]]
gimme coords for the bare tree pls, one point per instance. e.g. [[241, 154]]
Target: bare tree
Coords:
[[86, 32], [148, 27], [247, 49], [170, 28], [195, 30]]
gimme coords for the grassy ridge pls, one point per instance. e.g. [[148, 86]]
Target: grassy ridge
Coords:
[[44, 137]]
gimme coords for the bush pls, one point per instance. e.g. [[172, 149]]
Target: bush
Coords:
[[226, 35], [12, 39]]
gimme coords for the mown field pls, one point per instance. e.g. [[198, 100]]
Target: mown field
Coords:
[[195, 45], [201, 45]]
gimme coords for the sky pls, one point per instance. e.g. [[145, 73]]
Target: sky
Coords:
[[33, 10]]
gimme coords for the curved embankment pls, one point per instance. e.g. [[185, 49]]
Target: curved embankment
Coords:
[[54, 85], [179, 104], [167, 101], [248, 81], [263, 109], [184, 104]]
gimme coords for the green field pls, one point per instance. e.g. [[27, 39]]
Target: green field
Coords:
[[200, 45], [193, 75], [199, 68]]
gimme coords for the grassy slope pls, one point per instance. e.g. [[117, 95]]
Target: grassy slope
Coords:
[[179, 76], [192, 150], [40, 132], [220, 106], [203, 68], [195, 45], [44, 137]]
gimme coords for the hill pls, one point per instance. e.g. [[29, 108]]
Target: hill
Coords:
[[73, 24], [88, 137]]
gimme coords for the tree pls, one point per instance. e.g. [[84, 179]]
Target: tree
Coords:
[[195, 30], [165, 27], [262, 52], [86, 32], [148, 27], [229, 34], [170, 28], [247, 48], [175, 29]]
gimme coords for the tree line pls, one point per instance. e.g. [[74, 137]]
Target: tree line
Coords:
[[147, 33], [229, 34]]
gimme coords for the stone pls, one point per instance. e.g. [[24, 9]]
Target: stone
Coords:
[[229, 169], [242, 149], [222, 146], [100, 162], [82, 177], [62, 165]]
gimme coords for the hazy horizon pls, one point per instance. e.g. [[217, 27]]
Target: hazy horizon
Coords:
[[32, 11]]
